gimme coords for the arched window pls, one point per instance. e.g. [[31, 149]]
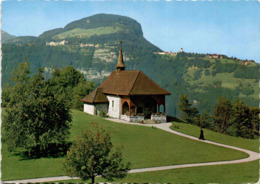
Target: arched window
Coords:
[[161, 108]]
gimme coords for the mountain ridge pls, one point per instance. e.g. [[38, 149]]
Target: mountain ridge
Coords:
[[6, 36], [94, 50]]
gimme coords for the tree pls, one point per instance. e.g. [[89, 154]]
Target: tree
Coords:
[[242, 120], [34, 116], [92, 155], [222, 113], [204, 120], [189, 114], [6, 91], [71, 83], [80, 91], [255, 112], [207, 72]]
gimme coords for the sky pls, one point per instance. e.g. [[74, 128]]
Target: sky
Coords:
[[211, 26]]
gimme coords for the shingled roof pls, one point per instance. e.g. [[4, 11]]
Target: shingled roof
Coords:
[[125, 83], [96, 96], [131, 83]]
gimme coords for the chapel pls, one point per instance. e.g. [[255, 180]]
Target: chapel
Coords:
[[128, 95]]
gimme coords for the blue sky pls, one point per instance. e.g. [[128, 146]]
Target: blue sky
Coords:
[[224, 27]]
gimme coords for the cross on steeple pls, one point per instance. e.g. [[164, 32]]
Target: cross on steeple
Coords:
[[120, 64]]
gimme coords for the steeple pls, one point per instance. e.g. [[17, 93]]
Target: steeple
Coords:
[[120, 64]]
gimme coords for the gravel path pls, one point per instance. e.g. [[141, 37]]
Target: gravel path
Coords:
[[166, 127]]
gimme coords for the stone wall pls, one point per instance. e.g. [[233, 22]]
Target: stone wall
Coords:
[[159, 118], [132, 118], [114, 108]]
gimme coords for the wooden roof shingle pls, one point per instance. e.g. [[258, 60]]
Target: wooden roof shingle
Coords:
[[96, 96]]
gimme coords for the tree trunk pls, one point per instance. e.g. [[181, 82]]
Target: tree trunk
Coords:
[[93, 179]]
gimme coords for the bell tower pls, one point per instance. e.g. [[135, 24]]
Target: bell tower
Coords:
[[120, 64]]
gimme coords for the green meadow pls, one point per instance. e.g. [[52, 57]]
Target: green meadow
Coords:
[[250, 144], [86, 33], [144, 147], [233, 173]]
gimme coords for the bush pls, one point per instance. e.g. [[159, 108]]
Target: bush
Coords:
[[207, 72], [197, 74], [213, 73], [102, 113]]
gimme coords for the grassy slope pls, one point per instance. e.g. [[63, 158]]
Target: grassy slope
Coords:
[[233, 173], [143, 146], [86, 33], [250, 144]]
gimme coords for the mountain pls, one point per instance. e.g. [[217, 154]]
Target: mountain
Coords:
[[99, 25], [91, 45], [21, 40], [6, 36]]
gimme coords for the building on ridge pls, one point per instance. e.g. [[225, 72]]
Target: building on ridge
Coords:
[[128, 95]]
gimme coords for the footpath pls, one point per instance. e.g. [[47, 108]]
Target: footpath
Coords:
[[166, 127]]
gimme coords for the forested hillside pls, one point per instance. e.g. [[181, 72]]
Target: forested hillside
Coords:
[[5, 36], [91, 46]]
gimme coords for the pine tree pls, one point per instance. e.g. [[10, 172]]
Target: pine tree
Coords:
[[222, 113], [189, 114]]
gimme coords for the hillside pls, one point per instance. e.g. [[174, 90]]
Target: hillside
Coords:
[[6, 36], [91, 45], [20, 40], [146, 141], [97, 25], [204, 79]]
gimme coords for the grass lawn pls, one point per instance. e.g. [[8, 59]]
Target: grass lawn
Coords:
[[233, 173], [143, 146], [250, 144]]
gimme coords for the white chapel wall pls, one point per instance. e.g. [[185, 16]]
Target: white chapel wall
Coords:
[[89, 108], [114, 108]]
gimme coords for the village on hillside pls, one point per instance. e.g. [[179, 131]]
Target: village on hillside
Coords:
[[208, 56]]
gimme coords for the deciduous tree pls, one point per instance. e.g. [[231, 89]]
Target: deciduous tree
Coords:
[[34, 116], [71, 83], [92, 155]]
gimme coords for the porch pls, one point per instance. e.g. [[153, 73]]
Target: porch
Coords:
[[140, 108]]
